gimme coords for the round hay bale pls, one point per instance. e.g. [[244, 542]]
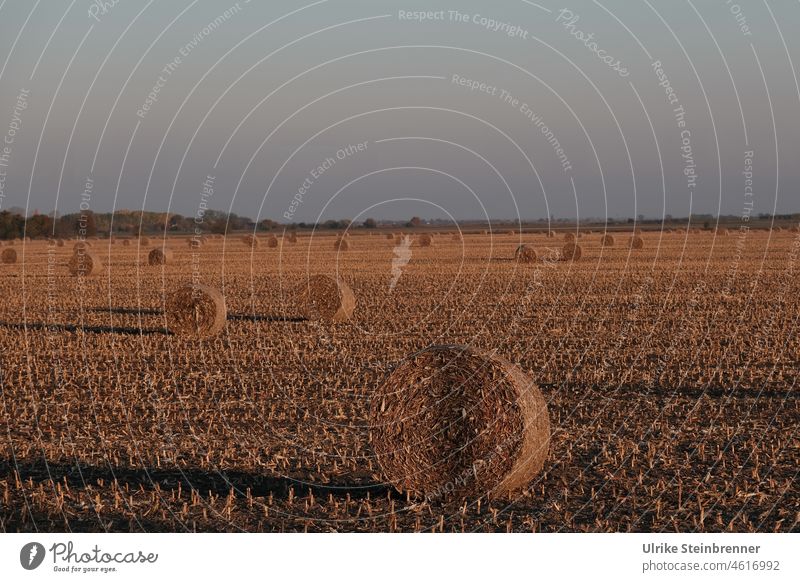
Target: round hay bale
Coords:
[[83, 263], [324, 297], [341, 244], [525, 254], [636, 242], [194, 243], [8, 256], [126, 242], [569, 237], [607, 240], [144, 241], [250, 240], [458, 237], [571, 252], [292, 238], [51, 242], [455, 422], [82, 245], [795, 229], [389, 236], [272, 241], [196, 310], [159, 256], [551, 234], [425, 240]]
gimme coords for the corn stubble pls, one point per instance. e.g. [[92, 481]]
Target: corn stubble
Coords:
[[670, 391]]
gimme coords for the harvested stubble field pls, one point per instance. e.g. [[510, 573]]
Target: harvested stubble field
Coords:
[[670, 373]]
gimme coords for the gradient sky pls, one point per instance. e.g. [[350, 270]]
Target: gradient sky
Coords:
[[279, 87]]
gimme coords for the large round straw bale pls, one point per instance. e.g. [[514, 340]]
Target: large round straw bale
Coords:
[[636, 242], [324, 297], [9, 256], [456, 422], [144, 241], [272, 241], [159, 256], [292, 237], [571, 252], [196, 310], [525, 254], [341, 244], [425, 240], [250, 240], [551, 234], [83, 263], [607, 240], [569, 237]]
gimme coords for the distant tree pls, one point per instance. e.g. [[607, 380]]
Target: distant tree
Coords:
[[415, 221], [370, 223], [39, 225]]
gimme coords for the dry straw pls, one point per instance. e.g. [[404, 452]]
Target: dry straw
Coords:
[[159, 256], [9, 256], [525, 254], [196, 310], [453, 422], [607, 240], [328, 298], [83, 263], [636, 242], [571, 252]]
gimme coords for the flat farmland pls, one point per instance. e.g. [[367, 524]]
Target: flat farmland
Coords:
[[670, 374]]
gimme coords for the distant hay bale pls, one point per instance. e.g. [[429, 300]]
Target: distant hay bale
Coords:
[[144, 241], [272, 241], [636, 242], [292, 238], [250, 240], [51, 242], [159, 256], [607, 240], [458, 237], [571, 252], [195, 310], [126, 242], [569, 237], [453, 422], [328, 298], [389, 236], [81, 246], [525, 254], [425, 240], [550, 234], [83, 263], [194, 242], [341, 244], [795, 229], [9, 256]]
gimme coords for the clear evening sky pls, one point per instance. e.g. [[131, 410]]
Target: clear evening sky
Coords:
[[502, 109]]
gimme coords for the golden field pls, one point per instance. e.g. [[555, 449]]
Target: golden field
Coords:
[[670, 374]]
